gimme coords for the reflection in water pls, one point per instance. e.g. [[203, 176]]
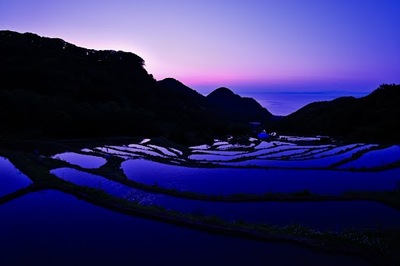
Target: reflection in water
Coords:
[[10, 178], [52, 228], [98, 182], [83, 160], [228, 181], [376, 158], [318, 215]]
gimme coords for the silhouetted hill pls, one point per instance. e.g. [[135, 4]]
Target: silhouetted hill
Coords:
[[375, 117], [232, 106], [223, 93], [175, 86], [55, 67], [177, 91], [51, 88]]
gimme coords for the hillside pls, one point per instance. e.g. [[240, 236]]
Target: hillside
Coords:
[[232, 106], [50, 89], [375, 117]]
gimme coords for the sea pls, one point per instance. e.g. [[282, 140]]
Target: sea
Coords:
[[285, 103]]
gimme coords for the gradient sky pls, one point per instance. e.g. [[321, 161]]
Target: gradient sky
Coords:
[[249, 44]]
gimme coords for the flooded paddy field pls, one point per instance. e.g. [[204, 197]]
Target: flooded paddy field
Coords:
[[222, 177]]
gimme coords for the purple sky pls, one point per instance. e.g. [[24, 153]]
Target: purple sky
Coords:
[[245, 45]]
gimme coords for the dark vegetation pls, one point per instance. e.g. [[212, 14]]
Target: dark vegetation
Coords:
[[373, 118], [52, 89]]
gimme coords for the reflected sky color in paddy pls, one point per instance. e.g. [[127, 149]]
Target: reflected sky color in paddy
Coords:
[[385, 156], [101, 183], [228, 181], [10, 178], [331, 215], [83, 160], [53, 228]]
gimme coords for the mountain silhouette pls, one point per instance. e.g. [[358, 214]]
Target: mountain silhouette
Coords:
[[232, 106], [375, 117], [176, 91], [50, 89]]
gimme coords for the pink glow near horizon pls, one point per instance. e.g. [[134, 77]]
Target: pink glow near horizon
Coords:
[[220, 43]]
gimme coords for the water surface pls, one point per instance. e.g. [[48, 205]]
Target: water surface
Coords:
[[318, 215], [82, 160], [285, 103], [11, 179], [227, 181], [53, 228]]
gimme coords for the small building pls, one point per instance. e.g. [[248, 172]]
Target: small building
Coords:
[[263, 135]]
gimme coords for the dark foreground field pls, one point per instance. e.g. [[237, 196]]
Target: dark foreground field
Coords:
[[291, 200]]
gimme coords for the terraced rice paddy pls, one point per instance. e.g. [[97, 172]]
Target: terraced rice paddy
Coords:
[[332, 215], [154, 174], [82, 160], [256, 168]]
